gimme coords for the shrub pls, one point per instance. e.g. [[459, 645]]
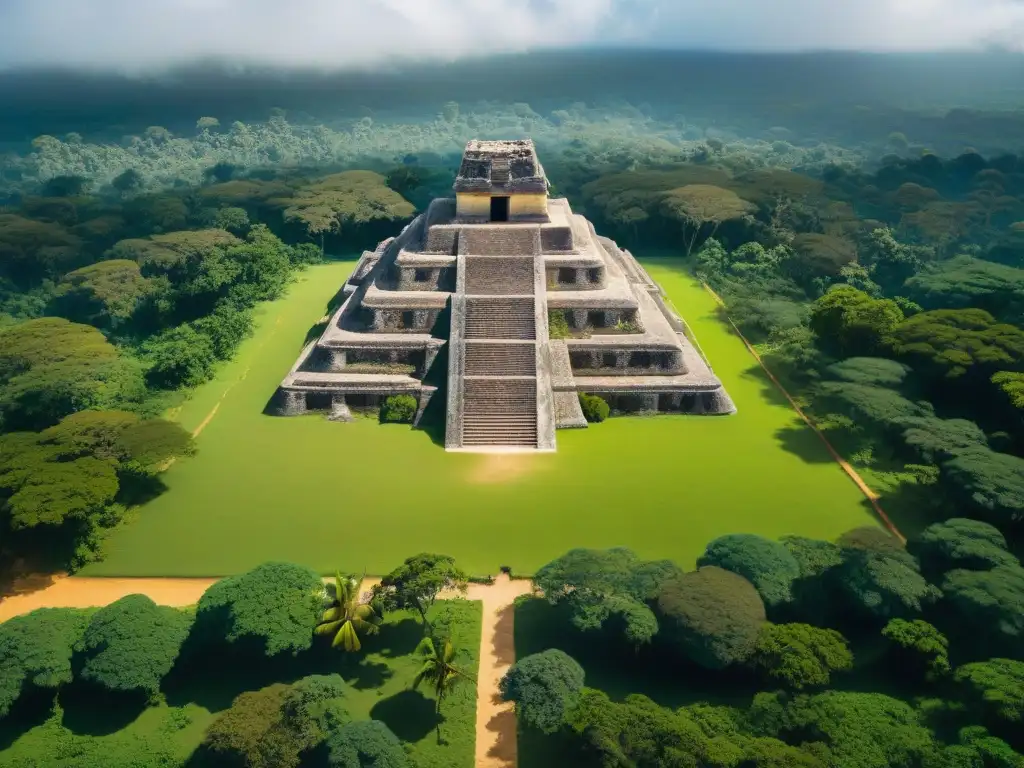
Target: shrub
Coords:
[[767, 564], [595, 409], [35, 650], [545, 687], [712, 615], [398, 409], [131, 644], [277, 605], [366, 744], [801, 656], [558, 326]]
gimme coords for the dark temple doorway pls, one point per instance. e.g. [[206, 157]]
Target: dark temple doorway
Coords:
[[499, 209]]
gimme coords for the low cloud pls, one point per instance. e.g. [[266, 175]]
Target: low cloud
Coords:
[[148, 34]]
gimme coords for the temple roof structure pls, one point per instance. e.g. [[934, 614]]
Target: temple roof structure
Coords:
[[501, 167]]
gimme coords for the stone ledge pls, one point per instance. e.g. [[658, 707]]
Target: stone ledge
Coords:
[[375, 298], [568, 413], [561, 369]]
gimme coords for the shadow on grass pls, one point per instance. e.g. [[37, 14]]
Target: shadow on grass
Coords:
[[802, 441], [32, 709], [409, 714], [91, 711], [399, 638]]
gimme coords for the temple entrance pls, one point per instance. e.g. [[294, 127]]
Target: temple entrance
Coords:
[[499, 209]]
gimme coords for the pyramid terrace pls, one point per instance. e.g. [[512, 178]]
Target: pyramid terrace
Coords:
[[486, 276]]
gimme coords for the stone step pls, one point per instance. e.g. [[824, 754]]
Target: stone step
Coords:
[[484, 359], [497, 276], [500, 318], [500, 240]]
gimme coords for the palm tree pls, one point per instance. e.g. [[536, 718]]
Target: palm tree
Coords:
[[439, 671], [347, 618]]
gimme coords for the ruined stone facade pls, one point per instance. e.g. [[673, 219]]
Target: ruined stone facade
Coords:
[[489, 274]]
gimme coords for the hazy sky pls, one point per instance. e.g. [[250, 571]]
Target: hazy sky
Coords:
[[151, 33]]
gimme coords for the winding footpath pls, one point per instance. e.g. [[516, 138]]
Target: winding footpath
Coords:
[[495, 719]]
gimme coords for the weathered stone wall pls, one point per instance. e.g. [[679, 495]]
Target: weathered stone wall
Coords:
[[404, 320], [625, 362], [602, 318], [576, 278], [705, 403], [556, 239], [424, 278]]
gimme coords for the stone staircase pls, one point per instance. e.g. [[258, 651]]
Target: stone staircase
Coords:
[[499, 275], [499, 170], [496, 358], [499, 390], [504, 317], [499, 412]]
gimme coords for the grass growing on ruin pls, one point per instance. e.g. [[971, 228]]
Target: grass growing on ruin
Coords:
[[378, 687], [319, 493]]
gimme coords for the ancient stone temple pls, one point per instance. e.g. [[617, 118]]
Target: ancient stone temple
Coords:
[[531, 304]]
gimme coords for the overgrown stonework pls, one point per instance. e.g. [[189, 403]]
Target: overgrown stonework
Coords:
[[483, 273]]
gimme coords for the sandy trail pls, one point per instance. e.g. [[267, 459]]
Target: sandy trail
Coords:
[[495, 720]]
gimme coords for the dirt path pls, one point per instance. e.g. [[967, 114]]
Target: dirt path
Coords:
[[495, 720], [864, 488]]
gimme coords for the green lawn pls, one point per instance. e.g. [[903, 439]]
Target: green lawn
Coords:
[[90, 735], [363, 495]]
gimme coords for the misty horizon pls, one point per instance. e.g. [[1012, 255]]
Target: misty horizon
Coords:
[[120, 36]]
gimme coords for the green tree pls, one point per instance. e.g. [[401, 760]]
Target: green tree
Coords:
[[226, 327], [711, 615], [850, 323], [949, 343], [766, 564], [861, 730], [232, 219], [986, 483], [127, 181], [599, 584], [366, 744], [439, 671], [348, 618], [700, 205], [254, 732], [878, 407], [891, 261], [869, 371], [417, 582], [996, 686], [545, 687], [104, 294], [36, 650], [179, 357], [934, 440], [960, 543], [131, 644], [991, 604], [50, 367], [920, 646], [274, 605], [39, 488], [801, 656], [350, 198], [965, 282], [884, 585]]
